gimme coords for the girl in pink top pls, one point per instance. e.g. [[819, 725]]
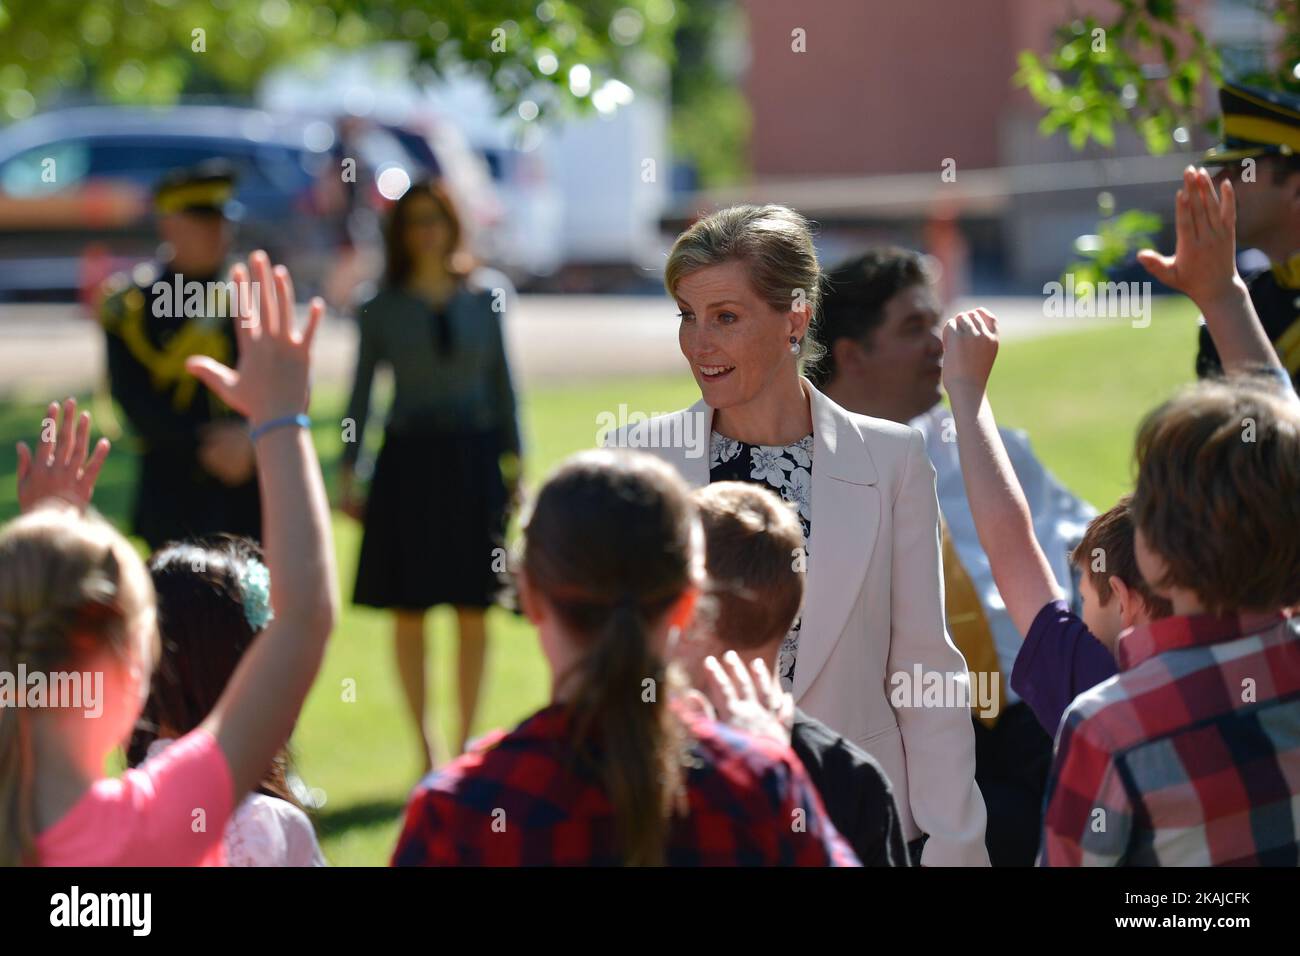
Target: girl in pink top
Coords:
[[78, 629]]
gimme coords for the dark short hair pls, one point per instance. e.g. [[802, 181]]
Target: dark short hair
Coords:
[[854, 296], [1111, 534]]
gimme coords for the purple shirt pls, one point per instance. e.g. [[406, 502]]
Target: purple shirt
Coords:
[[1058, 661]]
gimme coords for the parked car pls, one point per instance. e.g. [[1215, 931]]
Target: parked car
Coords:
[[105, 161], [507, 195]]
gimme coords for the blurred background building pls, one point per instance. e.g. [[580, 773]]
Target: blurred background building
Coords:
[[856, 131], [884, 122]]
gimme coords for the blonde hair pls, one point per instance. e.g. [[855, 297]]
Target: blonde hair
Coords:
[[70, 586], [774, 242]]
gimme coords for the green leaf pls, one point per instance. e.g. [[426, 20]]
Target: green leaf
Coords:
[[1166, 11], [85, 44], [1079, 134], [1103, 131]]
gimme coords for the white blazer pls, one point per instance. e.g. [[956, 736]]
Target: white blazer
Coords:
[[873, 608]]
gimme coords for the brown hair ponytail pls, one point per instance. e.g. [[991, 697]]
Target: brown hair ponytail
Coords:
[[639, 738], [611, 544]]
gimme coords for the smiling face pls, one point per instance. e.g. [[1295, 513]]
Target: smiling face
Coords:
[[736, 343], [901, 364]]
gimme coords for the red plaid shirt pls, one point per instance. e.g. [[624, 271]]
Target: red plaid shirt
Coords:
[[1190, 756], [514, 801]]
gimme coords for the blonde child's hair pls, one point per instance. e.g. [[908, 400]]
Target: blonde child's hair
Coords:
[[70, 586]]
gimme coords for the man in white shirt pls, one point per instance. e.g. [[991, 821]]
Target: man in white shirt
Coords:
[[881, 322]]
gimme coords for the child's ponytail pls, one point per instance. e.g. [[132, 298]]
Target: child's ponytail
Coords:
[[611, 545], [620, 701]]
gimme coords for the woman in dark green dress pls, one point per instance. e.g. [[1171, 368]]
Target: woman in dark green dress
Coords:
[[436, 510]]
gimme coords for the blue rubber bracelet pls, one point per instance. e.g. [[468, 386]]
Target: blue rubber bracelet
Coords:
[[301, 420]]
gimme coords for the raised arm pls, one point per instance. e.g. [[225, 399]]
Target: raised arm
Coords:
[[1204, 268], [1002, 519], [260, 705]]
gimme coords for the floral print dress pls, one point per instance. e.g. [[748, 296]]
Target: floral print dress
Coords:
[[785, 469]]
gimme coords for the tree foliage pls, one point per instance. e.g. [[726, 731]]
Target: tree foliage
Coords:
[[1144, 68], [154, 51], [711, 116]]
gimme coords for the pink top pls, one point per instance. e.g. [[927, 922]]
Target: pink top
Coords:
[[170, 811]]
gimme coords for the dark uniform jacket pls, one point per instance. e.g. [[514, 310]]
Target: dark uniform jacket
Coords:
[[149, 336], [1275, 293]]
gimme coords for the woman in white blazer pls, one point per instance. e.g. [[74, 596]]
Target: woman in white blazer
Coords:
[[747, 282]]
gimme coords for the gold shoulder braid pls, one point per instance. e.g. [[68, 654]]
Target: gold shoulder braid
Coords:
[[1287, 275], [1288, 349], [199, 336]]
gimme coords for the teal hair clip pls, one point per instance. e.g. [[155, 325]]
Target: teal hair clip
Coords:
[[255, 583]]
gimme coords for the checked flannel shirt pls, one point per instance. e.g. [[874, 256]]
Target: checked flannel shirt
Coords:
[[1190, 756], [514, 801]]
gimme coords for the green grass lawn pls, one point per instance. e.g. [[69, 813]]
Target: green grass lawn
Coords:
[[1080, 396]]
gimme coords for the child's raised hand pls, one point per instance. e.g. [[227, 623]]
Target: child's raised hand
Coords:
[[271, 378], [750, 700], [63, 467], [970, 344], [1204, 264]]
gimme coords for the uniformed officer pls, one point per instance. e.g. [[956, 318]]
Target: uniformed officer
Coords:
[[197, 473], [1260, 153]]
